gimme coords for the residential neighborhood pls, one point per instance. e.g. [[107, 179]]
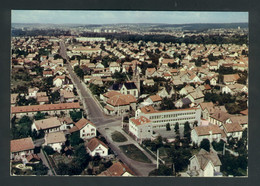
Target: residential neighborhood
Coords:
[[83, 103]]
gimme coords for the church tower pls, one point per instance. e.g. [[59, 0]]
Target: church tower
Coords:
[[136, 78]]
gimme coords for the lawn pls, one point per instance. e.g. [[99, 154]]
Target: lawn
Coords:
[[118, 137], [132, 152]]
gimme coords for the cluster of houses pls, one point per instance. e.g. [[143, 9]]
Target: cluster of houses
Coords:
[[176, 64]]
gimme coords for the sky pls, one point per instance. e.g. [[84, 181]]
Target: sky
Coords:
[[113, 17]]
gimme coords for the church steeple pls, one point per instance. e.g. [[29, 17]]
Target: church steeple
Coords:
[[136, 77]]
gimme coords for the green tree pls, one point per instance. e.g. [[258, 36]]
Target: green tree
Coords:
[[55, 96], [79, 71], [161, 171], [187, 130], [180, 158], [40, 169], [176, 128], [75, 115], [49, 150], [75, 139], [39, 116], [120, 77], [205, 144], [168, 128], [62, 169]]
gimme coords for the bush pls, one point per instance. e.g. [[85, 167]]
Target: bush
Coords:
[[49, 150], [205, 144]]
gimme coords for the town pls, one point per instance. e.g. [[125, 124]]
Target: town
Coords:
[[129, 101]]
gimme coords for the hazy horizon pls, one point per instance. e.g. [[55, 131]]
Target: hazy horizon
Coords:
[[126, 17]]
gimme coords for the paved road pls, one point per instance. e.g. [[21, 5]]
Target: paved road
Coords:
[[45, 162], [102, 121]]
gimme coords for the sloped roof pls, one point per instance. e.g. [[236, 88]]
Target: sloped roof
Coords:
[[206, 105], [21, 144], [155, 98], [204, 157], [94, 143], [130, 85], [47, 123], [205, 130], [83, 122], [230, 77], [233, 127], [120, 100], [111, 93], [140, 121], [55, 137], [220, 115], [46, 107], [239, 119], [117, 169]]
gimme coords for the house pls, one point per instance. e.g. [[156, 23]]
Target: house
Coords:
[[183, 103], [32, 92], [117, 169], [13, 99], [186, 90], [196, 97], [21, 148], [213, 65], [32, 159], [47, 73], [210, 132], [67, 96], [66, 123], [108, 95], [241, 120], [55, 140], [233, 130], [151, 72], [213, 80], [205, 164], [96, 147], [120, 104], [51, 109], [114, 67], [86, 129], [140, 128], [47, 125], [230, 79], [234, 89], [154, 100], [58, 81], [166, 92], [42, 98], [219, 117], [148, 82], [208, 109]]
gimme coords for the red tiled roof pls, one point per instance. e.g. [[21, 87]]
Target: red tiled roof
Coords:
[[140, 120], [46, 107], [233, 127], [117, 169], [83, 122], [21, 144], [155, 98], [150, 109], [204, 130], [94, 143]]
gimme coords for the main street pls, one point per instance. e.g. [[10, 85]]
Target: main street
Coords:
[[104, 122]]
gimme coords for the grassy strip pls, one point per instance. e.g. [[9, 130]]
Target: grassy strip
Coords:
[[118, 137], [47, 158], [132, 152]]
